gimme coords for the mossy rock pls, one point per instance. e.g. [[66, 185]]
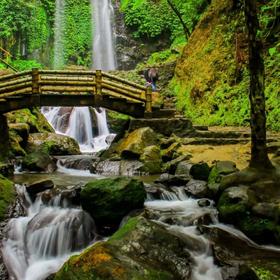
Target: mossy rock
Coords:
[[263, 231], [7, 195], [133, 145], [53, 144], [140, 250], [234, 203], [218, 171], [171, 152], [151, 158], [38, 161], [33, 117], [6, 169], [266, 269], [16, 143], [200, 171], [109, 200]]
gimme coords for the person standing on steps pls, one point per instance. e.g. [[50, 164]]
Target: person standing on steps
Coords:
[[151, 76]]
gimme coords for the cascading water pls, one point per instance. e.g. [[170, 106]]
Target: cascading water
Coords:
[[77, 122], [58, 34], [103, 49], [38, 244], [185, 212]]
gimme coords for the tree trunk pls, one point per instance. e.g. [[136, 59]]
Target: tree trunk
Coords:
[[179, 15], [4, 139], [259, 157]]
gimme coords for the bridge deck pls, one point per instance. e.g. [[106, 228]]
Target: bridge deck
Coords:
[[75, 88]]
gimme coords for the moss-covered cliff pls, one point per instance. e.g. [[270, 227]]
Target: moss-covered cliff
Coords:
[[28, 27], [211, 79]]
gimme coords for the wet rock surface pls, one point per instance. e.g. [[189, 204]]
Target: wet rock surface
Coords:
[[140, 250], [39, 161], [178, 126], [37, 187], [53, 144], [109, 200]]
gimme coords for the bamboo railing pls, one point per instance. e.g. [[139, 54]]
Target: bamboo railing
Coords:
[[5, 60], [96, 83]]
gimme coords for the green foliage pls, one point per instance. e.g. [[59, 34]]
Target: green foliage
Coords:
[[77, 35], [149, 18], [22, 65], [7, 195], [38, 31]]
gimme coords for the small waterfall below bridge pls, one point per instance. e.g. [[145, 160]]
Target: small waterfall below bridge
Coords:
[[78, 122]]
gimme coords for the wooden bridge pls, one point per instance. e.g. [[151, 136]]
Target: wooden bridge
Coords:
[[76, 88]]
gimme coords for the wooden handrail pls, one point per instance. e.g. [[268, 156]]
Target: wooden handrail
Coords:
[[5, 51], [74, 82]]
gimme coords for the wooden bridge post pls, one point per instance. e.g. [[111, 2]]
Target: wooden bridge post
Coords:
[[148, 108], [98, 94], [36, 90], [35, 81], [98, 82]]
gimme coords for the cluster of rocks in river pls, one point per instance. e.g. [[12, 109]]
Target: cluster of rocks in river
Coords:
[[147, 148]]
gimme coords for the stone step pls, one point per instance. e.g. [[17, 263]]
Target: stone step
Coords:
[[201, 127], [214, 141], [221, 141], [220, 134], [163, 113]]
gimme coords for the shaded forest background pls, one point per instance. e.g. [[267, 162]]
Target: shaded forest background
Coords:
[[210, 81]]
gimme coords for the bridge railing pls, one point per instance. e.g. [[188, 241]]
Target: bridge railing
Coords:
[[95, 83]]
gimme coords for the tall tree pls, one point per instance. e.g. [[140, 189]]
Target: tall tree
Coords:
[[180, 17], [259, 156]]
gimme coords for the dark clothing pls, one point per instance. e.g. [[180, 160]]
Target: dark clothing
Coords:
[[151, 76]]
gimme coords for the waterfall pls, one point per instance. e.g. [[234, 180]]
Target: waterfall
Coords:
[[77, 122], [103, 49], [37, 245], [58, 60]]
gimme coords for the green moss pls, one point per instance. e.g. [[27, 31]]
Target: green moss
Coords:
[[7, 195], [261, 230], [125, 229], [265, 274], [211, 84], [266, 269], [231, 210], [109, 200]]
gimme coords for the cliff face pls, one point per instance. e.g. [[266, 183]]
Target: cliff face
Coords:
[[211, 78]]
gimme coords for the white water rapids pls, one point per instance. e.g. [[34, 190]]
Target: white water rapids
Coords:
[[177, 205], [38, 244]]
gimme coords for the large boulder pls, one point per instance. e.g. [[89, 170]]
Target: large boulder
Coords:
[[38, 161], [7, 195], [133, 145], [151, 159], [200, 171], [39, 186], [32, 117], [235, 202], [53, 144], [141, 249], [109, 200], [6, 169], [218, 171]]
